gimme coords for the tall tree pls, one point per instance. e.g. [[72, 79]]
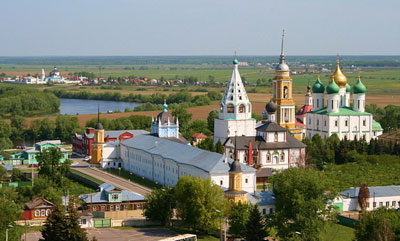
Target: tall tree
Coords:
[[10, 212], [255, 226], [210, 119], [50, 165], [65, 127], [238, 218], [301, 203], [197, 200], [159, 205], [363, 196]]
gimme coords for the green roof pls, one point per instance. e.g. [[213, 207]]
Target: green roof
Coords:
[[376, 126], [332, 88], [342, 111], [359, 87], [348, 88], [235, 61], [318, 87]]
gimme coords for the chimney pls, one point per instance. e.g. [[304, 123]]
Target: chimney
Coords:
[[250, 153]]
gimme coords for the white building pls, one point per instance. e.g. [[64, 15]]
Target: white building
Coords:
[[337, 117], [234, 111], [386, 196], [164, 161]]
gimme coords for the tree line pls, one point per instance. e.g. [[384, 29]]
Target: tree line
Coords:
[[388, 117], [321, 152], [26, 102]]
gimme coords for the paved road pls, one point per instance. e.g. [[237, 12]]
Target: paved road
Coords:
[[113, 234], [83, 167]]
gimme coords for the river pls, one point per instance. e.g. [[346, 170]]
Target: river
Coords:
[[78, 106]]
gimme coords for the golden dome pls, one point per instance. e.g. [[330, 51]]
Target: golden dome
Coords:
[[338, 76]]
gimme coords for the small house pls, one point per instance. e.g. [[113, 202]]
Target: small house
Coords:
[[38, 208]]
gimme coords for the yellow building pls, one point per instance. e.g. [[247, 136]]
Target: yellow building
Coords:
[[283, 97], [97, 145], [235, 193]]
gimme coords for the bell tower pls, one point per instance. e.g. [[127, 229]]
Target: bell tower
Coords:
[[282, 95], [97, 145]]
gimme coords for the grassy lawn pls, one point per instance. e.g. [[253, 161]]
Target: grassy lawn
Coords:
[[87, 176], [136, 179], [337, 232], [77, 188]]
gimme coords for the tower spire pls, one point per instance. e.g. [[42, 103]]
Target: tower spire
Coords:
[[337, 59], [282, 57]]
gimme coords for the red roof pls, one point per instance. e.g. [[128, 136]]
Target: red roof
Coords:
[[299, 123], [304, 109], [199, 136]]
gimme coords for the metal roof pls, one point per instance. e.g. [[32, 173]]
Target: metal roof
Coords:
[[102, 197], [210, 162], [384, 191], [266, 198]]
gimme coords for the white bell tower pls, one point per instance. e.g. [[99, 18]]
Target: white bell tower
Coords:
[[234, 111]]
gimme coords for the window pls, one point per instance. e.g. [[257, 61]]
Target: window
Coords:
[[374, 204], [393, 203], [309, 121], [43, 212], [387, 204], [285, 92], [103, 208], [336, 123], [231, 97], [139, 206], [268, 157], [48, 211], [117, 208], [264, 211], [271, 211], [367, 204], [94, 208], [37, 213], [358, 103], [282, 156], [346, 123], [380, 204], [324, 122], [332, 104], [83, 221], [231, 108], [317, 103], [276, 137], [246, 180], [111, 207], [221, 182], [364, 122], [242, 108]]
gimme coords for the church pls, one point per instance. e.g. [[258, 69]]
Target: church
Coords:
[[273, 143], [338, 116]]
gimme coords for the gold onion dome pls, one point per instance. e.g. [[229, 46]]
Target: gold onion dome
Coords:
[[338, 76]]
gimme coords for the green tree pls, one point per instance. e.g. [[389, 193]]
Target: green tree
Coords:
[[380, 225], [238, 218], [3, 173], [184, 119], [10, 212], [219, 148], [210, 119], [301, 203], [62, 226], [159, 205], [255, 227], [65, 127], [50, 165], [197, 200], [16, 175], [19, 122]]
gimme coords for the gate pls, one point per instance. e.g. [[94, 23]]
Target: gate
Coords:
[[102, 223]]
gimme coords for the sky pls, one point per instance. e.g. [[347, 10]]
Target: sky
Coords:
[[202, 27]]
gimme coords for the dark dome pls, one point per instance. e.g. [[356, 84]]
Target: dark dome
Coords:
[[235, 167], [164, 116], [99, 126], [271, 107]]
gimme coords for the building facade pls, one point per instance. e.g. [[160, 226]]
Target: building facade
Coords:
[[38, 208], [234, 111], [337, 116], [164, 161]]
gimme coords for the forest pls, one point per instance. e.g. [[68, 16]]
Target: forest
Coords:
[[26, 102]]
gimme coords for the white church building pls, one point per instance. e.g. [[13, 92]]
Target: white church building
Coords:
[[337, 116]]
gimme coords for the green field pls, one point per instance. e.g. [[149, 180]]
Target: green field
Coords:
[[337, 232]]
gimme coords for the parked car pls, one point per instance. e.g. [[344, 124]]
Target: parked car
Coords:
[[87, 158]]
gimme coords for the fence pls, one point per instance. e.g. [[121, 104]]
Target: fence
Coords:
[[346, 221], [16, 184], [83, 179]]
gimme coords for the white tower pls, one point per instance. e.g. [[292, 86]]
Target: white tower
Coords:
[[42, 75], [234, 111], [318, 90], [309, 97], [333, 92], [359, 90]]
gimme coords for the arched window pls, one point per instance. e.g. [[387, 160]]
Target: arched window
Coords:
[[37, 213], [48, 211], [268, 157], [242, 108], [282, 156], [285, 92], [231, 108], [231, 97], [43, 212], [276, 137], [221, 108]]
